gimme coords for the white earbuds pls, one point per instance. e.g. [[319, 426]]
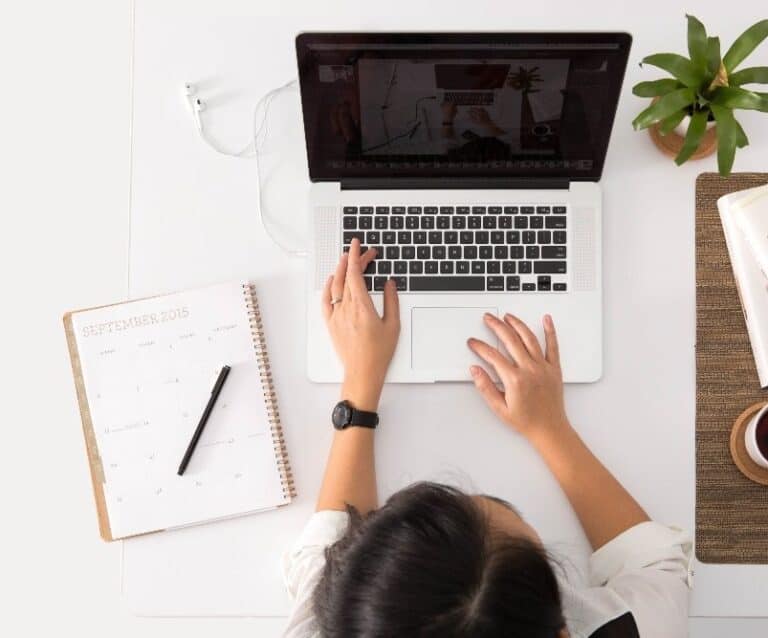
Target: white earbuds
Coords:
[[196, 105]]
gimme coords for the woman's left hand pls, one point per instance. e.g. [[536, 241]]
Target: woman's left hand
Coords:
[[364, 341]]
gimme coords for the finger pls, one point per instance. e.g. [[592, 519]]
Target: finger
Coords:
[[337, 287], [526, 336], [391, 305], [490, 355], [354, 282], [508, 336], [326, 298], [488, 390], [366, 258], [553, 347]]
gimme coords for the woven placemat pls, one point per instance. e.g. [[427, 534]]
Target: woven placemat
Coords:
[[731, 510]]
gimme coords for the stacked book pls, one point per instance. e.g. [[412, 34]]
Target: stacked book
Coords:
[[744, 215]]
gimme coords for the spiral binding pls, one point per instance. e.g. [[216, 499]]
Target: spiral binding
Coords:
[[270, 397]]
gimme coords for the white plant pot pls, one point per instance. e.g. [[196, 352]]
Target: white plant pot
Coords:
[[682, 128]]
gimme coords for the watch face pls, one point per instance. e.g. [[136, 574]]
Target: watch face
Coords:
[[341, 415]]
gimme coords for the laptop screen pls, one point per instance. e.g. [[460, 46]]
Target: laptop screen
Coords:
[[471, 105]]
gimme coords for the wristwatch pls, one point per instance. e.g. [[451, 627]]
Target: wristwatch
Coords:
[[345, 416]]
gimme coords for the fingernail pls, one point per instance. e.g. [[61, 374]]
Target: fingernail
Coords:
[[474, 371], [548, 321]]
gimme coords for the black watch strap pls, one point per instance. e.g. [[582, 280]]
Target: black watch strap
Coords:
[[345, 416]]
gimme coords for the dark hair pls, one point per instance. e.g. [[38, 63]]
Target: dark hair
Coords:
[[428, 564]]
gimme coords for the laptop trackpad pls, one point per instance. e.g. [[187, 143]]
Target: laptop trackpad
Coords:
[[439, 339]]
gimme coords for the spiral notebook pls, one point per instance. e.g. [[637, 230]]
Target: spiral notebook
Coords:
[[143, 373]]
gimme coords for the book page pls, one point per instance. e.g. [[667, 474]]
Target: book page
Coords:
[[149, 367]]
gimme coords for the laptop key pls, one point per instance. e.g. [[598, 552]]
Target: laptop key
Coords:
[[545, 283], [529, 287], [521, 222], [427, 223], [542, 210], [365, 222], [511, 210], [401, 283], [431, 268], [382, 210], [489, 222], [450, 237], [392, 252], [415, 267], [537, 221], [494, 210], [478, 267], [486, 252], [482, 237], [378, 283], [454, 252], [500, 252], [531, 252], [423, 252], [457, 223], [396, 222], [368, 283], [516, 252], [526, 210], [388, 237], [470, 252], [446, 210], [474, 222], [463, 283], [373, 237], [384, 267], [350, 210], [495, 283], [411, 223], [438, 252], [493, 267], [430, 210], [553, 252], [435, 237], [513, 237], [529, 237], [443, 222], [348, 237], [366, 210], [462, 267], [505, 221], [398, 210], [525, 267], [549, 267], [465, 237], [544, 237], [509, 267], [404, 237], [556, 222], [401, 267], [558, 210], [478, 210], [370, 269], [560, 287], [420, 237], [462, 210], [559, 237], [497, 237], [513, 283], [409, 252], [381, 223], [446, 267], [414, 210], [350, 223]]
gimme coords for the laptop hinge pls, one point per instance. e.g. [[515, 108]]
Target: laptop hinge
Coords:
[[443, 183]]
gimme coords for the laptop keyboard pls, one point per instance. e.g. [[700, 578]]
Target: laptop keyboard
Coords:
[[462, 248]]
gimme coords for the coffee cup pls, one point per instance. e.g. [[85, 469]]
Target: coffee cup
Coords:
[[756, 437]]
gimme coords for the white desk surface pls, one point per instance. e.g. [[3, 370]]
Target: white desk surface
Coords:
[[193, 221]]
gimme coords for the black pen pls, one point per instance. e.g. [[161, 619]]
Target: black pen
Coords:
[[204, 418]]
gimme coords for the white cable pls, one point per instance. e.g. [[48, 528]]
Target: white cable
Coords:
[[250, 151]]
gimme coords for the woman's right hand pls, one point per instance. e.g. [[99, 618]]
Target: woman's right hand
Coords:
[[532, 401]]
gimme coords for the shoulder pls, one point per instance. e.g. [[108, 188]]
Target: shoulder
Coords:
[[303, 565]]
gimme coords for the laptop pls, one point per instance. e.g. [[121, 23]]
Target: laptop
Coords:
[[471, 161]]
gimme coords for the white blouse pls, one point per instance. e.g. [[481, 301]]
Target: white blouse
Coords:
[[644, 571]]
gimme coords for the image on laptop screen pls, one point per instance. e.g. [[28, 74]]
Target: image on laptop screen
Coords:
[[442, 108]]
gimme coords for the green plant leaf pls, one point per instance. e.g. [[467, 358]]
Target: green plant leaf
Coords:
[[669, 123], [681, 68], [727, 138], [656, 87], [697, 41], [666, 106], [713, 57], [741, 139], [752, 75], [745, 44], [693, 136], [733, 97]]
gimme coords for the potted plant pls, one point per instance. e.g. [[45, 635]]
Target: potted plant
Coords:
[[703, 92]]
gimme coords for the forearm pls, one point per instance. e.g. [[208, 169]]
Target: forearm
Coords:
[[350, 473], [604, 508]]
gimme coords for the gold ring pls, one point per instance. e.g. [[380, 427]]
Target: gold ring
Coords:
[[335, 301]]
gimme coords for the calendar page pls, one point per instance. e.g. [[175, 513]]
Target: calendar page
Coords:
[[149, 367]]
